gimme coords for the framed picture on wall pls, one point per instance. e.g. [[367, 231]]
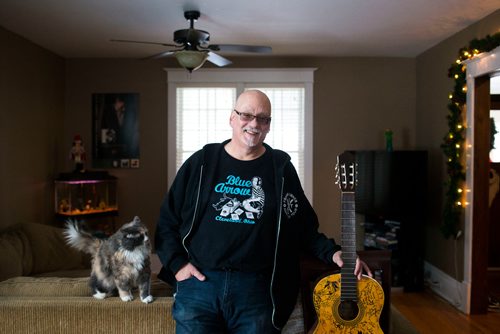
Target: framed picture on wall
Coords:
[[115, 130]]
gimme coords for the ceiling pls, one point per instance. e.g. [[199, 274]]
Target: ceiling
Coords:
[[398, 28]]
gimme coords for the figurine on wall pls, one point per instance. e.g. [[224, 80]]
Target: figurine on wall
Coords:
[[77, 154]]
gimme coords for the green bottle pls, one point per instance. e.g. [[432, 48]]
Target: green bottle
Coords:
[[388, 140]]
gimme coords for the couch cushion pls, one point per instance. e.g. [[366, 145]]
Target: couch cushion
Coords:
[[50, 251], [15, 254], [160, 288], [71, 273], [64, 287], [85, 315], [45, 287]]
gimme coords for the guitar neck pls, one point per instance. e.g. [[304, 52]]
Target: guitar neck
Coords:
[[349, 284]]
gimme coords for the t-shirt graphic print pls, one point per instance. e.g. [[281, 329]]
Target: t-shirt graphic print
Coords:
[[235, 210]]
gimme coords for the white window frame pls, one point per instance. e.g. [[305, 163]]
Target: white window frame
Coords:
[[239, 78]]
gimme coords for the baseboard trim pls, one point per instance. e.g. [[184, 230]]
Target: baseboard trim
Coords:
[[447, 287]]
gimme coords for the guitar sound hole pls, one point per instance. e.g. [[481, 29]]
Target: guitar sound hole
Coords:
[[348, 310]]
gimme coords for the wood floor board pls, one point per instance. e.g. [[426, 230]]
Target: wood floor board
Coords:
[[430, 314]]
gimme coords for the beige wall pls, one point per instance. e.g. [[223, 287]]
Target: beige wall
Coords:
[[139, 190], [433, 87], [31, 129], [355, 100], [46, 100]]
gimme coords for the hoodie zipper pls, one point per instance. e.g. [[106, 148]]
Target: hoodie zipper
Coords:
[[195, 211], [276, 253]]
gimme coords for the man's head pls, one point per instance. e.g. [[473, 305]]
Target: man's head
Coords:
[[119, 104], [251, 118]]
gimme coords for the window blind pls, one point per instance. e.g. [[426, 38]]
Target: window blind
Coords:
[[203, 117]]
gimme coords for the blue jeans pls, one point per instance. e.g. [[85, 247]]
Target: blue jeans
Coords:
[[226, 302]]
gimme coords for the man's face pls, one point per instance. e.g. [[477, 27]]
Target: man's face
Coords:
[[119, 105], [250, 132]]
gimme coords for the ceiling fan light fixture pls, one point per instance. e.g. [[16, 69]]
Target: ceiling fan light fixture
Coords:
[[191, 60]]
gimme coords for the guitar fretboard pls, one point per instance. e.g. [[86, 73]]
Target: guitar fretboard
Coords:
[[348, 283]]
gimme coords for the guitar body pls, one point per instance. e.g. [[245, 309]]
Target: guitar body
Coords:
[[336, 316]]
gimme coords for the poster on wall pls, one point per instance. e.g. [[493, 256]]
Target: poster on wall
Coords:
[[115, 130]]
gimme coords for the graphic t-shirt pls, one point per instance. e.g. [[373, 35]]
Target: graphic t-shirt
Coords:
[[238, 228]]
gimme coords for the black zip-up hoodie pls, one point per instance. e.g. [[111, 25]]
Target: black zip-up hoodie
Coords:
[[297, 224]]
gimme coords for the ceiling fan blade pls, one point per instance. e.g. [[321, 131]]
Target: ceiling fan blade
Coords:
[[240, 48], [218, 60], [161, 54], [142, 42]]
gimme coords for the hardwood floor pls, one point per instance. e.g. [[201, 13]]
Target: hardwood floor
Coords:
[[431, 314]]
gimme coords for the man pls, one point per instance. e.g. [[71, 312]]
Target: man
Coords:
[[119, 129], [232, 228]]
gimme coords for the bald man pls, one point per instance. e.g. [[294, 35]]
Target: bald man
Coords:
[[232, 228]]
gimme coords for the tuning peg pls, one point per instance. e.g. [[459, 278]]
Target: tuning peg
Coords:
[[337, 176]]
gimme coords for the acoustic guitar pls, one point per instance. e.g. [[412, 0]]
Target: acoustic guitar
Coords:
[[342, 303]]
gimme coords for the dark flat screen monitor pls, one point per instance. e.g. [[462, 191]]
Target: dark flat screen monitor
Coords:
[[392, 185]]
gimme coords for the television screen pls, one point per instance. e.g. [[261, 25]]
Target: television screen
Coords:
[[391, 184]]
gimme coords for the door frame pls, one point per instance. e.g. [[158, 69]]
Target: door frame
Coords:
[[476, 212]]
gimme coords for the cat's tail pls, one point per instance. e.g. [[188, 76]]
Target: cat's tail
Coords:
[[80, 239]]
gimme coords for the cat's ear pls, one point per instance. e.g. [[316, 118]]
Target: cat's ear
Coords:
[[136, 219]]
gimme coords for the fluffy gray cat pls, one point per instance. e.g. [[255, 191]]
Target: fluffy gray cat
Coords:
[[120, 262]]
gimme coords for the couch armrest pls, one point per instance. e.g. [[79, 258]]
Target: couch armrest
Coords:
[[16, 257], [50, 251]]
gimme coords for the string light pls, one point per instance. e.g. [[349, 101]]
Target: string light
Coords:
[[454, 140]]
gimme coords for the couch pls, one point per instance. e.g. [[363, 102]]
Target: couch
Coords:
[[44, 289]]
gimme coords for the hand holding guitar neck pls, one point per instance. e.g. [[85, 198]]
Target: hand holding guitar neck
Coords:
[[359, 268]]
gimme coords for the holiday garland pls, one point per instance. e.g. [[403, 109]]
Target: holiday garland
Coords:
[[453, 142]]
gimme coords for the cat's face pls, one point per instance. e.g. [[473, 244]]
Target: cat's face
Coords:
[[134, 235]]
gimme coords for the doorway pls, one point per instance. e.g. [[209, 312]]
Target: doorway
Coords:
[[476, 249]]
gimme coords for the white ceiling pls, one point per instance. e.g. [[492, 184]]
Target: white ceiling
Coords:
[[400, 28]]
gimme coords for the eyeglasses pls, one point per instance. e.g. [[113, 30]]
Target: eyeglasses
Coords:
[[249, 117]]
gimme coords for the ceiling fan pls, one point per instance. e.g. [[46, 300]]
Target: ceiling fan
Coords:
[[193, 47]]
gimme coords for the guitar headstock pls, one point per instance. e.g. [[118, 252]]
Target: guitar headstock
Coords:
[[346, 172]]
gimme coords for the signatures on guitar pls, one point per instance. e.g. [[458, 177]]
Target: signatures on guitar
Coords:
[[366, 310]]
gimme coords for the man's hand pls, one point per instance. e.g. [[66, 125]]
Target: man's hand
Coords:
[[189, 271], [358, 269]]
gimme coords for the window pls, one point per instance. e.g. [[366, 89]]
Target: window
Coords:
[[495, 152], [200, 106], [202, 117], [495, 116]]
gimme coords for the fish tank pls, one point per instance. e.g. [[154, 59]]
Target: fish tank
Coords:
[[88, 193]]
